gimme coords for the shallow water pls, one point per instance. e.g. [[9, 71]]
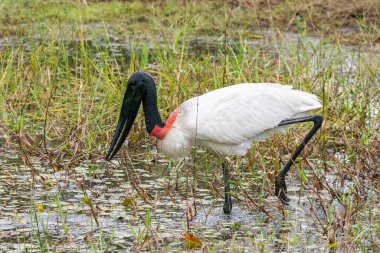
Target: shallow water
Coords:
[[21, 223], [66, 222]]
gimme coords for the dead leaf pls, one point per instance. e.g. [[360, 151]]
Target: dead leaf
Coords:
[[192, 241], [24, 140], [88, 238]]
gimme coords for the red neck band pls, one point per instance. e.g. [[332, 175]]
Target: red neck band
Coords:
[[159, 132]]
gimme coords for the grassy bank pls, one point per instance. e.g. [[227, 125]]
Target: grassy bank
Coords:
[[347, 20]]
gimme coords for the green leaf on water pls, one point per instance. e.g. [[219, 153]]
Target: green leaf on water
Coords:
[[87, 201], [332, 245], [40, 208], [147, 218], [64, 227], [127, 202], [237, 225]]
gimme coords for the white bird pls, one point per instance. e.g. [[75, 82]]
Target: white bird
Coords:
[[226, 120]]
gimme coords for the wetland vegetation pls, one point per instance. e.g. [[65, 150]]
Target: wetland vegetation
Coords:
[[63, 72]]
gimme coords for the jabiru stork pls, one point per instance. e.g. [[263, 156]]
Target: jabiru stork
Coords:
[[227, 120]]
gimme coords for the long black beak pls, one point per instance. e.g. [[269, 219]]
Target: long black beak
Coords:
[[131, 104]]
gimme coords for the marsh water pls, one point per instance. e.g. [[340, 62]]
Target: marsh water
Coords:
[[43, 208], [67, 222]]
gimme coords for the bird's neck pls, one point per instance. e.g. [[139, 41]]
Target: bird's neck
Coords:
[[152, 116]]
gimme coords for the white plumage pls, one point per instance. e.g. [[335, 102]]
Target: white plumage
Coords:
[[230, 119]]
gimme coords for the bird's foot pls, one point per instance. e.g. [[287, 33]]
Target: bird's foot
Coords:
[[280, 189]]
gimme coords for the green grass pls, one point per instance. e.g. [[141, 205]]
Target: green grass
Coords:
[[349, 20], [62, 83]]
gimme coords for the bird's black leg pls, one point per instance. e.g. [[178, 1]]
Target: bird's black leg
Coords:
[[280, 185], [227, 207]]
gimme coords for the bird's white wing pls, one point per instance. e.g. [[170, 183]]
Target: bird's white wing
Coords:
[[235, 114]]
